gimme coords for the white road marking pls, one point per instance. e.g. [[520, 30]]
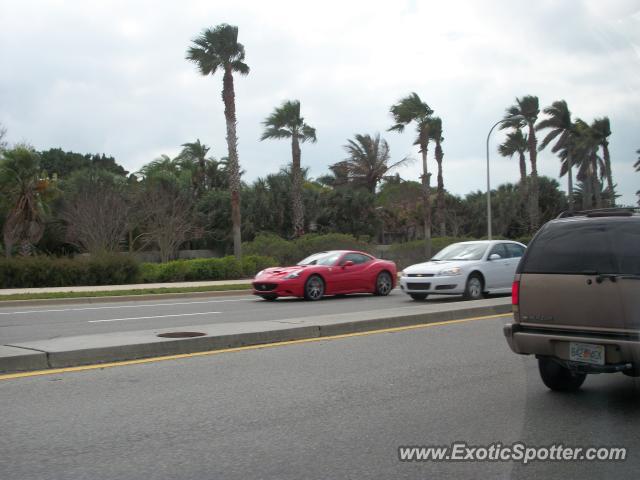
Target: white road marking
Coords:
[[123, 306], [154, 316]]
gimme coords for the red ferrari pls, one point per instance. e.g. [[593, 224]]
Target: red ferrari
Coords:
[[327, 273]]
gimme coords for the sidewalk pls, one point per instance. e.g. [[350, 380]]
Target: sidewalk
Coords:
[[108, 288]]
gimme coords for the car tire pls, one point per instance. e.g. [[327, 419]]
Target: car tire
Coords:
[[269, 298], [419, 296], [384, 284], [474, 288], [559, 378], [314, 288]]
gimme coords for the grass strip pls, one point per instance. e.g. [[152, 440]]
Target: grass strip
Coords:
[[115, 293]]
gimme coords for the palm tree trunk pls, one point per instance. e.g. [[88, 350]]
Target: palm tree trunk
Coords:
[[596, 181], [426, 196], [570, 181], [296, 173], [607, 166], [228, 97], [587, 201], [524, 181], [440, 201], [534, 207], [523, 169]]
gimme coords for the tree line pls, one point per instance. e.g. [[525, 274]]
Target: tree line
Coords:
[[63, 202]]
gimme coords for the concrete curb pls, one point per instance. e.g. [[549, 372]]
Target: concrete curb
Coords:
[[122, 346], [120, 298]]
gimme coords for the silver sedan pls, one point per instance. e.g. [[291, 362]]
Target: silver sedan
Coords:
[[466, 268]]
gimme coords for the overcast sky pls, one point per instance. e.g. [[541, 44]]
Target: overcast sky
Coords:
[[111, 77]]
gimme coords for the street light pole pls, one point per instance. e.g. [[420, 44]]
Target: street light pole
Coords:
[[515, 117]]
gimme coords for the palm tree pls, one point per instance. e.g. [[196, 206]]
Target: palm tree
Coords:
[[26, 191], [584, 147], [559, 121], [286, 122], [516, 142], [528, 107], [411, 109], [368, 161], [435, 134], [601, 129], [194, 155], [218, 48]]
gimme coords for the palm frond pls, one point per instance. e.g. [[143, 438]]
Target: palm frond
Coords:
[[285, 121], [275, 133], [218, 47], [308, 134]]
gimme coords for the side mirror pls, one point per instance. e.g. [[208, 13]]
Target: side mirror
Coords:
[[348, 263], [494, 256]]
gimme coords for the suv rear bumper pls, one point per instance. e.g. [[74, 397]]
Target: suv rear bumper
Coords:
[[619, 349]]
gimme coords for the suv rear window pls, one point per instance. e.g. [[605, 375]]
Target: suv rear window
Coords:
[[583, 247]]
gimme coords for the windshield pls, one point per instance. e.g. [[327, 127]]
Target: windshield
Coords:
[[462, 251], [324, 258]]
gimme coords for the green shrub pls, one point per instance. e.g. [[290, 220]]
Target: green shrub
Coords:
[[289, 252], [150, 272], [41, 271], [312, 243], [202, 269], [284, 251]]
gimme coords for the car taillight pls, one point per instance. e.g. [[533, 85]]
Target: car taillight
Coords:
[[515, 293]]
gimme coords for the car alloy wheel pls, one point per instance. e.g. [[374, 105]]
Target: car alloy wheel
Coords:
[[474, 288], [314, 288], [383, 284]]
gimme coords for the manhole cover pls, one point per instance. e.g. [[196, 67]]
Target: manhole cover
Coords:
[[181, 334]]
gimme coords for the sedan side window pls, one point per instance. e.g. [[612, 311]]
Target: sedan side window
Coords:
[[500, 250], [515, 250]]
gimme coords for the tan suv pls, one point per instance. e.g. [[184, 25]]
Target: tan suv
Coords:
[[576, 297]]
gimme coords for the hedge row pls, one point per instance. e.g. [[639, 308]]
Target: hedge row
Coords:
[[289, 252], [41, 271], [227, 268]]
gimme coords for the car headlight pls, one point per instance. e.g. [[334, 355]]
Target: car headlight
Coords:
[[449, 272], [293, 275], [402, 273]]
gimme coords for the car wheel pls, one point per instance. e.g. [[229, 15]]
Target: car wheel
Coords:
[[383, 284], [419, 296], [473, 290], [559, 378], [314, 288], [269, 298]]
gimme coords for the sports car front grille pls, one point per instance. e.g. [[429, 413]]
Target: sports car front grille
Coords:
[[264, 287], [418, 286]]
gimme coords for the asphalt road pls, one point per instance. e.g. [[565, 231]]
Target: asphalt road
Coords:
[[326, 409], [53, 321]]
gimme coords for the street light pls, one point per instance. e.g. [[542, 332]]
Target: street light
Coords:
[[515, 117]]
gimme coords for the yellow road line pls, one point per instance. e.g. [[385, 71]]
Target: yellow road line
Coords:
[[53, 371]]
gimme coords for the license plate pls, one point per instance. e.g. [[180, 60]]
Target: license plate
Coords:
[[586, 353]]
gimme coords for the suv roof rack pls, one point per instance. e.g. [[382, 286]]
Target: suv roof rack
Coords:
[[603, 212]]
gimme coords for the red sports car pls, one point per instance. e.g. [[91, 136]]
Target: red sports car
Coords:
[[327, 273]]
